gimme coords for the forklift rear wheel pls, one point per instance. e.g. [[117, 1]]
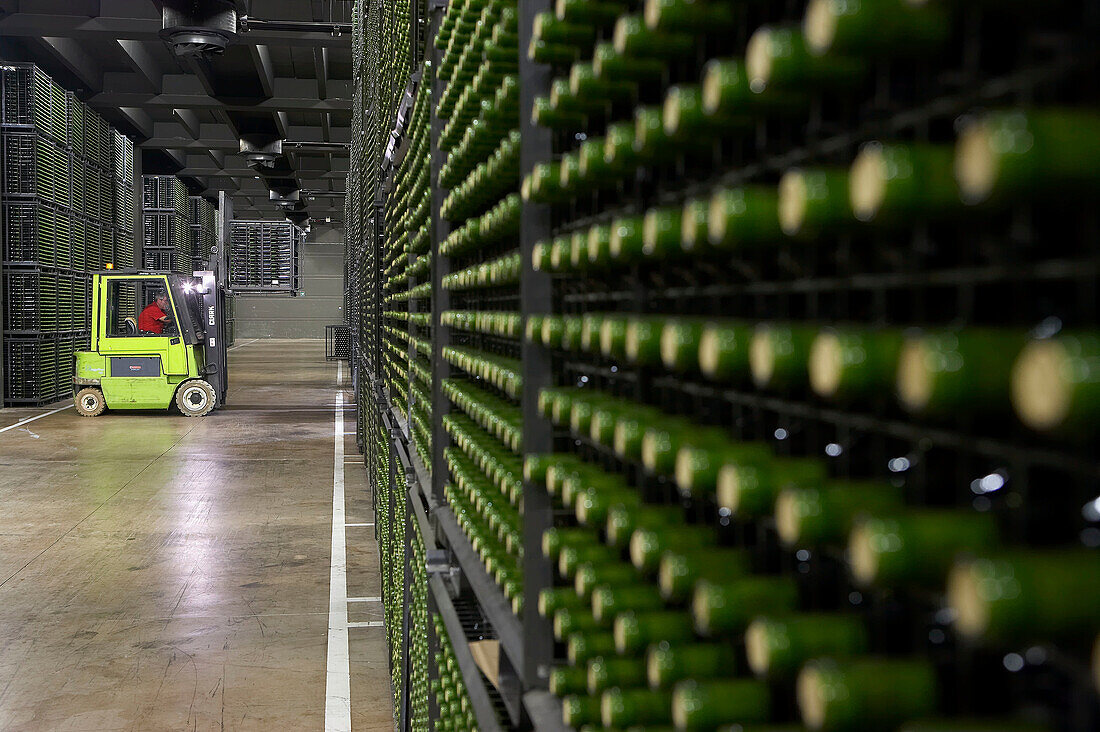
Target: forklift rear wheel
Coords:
[[195, 398], [89, 402]]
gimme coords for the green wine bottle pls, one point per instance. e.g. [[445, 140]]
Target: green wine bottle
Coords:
[[689, 16], [643, 339], [626, 707], [661, 230], [611, 600], [580, 710], [1005, 155], [1056, 383], [705, 705], [814, 202], [777, 647], [668, 663], [874, 27], [680, 343], [726, 608], [633, 38], [744, 217], [599, 243], [750, 488], [623, 519], [916, 546], [695, 231], [951, 371], [608, 672], [847, 364], [866, 693], [779, 355], [591, 575], [552, 599], [649, 543], [777, 57], [618, 148], [583, 647], [1026, 596], [651, 142], [630, 430], [593, 506], [682, 567], [899, 183], [566, 680], [699, 462], [627, 240], [807, 516], [724, 351], [568, 621], [591, 323], [634, 632], [613, 337]]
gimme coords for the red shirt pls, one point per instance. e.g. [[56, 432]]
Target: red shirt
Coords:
[[147, 321]]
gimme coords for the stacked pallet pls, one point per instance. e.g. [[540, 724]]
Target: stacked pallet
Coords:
[[263, 256], [166, 229], [68, 208]]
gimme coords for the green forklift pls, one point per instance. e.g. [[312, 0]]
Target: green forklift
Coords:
[[185, 364]]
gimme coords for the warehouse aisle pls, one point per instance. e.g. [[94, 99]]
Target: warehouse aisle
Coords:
[[165, 573]]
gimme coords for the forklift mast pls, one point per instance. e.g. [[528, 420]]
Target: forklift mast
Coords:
[[212, 294]]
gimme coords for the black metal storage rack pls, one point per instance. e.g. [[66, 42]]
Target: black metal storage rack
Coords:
[[647, 145], [202, 216], [67, 200], [263, 256], [167, 240]]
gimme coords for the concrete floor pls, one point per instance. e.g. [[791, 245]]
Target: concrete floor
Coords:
[[165, 573]]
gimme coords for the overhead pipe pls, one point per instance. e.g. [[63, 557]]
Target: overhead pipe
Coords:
[[294, 26]]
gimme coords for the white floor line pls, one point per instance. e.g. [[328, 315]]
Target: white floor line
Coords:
[[28, 420], [338, 675], [366, 624], [358, 526], [234, 348], [364, 599]]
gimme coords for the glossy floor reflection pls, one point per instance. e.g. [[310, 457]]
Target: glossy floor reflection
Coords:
[[165, 573]]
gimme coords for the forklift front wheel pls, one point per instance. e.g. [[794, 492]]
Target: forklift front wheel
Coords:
[[195, 398], [89, 402]]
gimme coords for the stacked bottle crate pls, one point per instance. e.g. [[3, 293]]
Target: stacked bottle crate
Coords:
[[65, 203], [263, 256], [203, 220], [167, 240]]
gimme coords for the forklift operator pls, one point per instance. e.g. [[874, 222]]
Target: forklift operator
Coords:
[[155, 315]]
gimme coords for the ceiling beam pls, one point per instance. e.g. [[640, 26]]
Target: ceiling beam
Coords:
[[320, 62], [110, 28], [142, 62], [189, 120], [265, 70], [139, 119], [132, 98], [77, 60]]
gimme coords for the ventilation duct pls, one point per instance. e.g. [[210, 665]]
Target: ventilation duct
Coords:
[[261, 151], [198, 27]]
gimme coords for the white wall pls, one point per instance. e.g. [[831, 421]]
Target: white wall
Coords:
[[322, 282]]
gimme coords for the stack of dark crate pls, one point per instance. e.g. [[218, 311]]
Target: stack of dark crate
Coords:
[[202, 216], [167, 241], [263, 256], [67, 198]]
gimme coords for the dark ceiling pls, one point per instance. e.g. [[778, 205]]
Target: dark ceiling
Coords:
[[188, 115]]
